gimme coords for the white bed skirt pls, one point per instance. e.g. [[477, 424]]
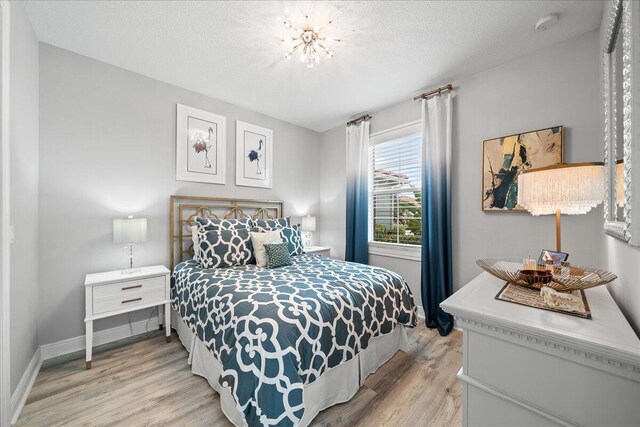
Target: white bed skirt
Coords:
[[336, 385]]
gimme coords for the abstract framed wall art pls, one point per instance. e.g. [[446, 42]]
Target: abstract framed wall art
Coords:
[[254, 155], [504, 158], [200, 145]]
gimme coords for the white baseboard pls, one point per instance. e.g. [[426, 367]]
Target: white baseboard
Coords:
[[72, 345], [19, 397]]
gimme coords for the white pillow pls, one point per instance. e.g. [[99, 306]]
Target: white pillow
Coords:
[[258, 240]]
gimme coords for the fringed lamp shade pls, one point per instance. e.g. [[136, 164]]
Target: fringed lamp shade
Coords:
[[570, 189], [620, 183], [573, 189]]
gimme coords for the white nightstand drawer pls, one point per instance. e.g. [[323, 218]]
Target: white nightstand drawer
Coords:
[[133, 299], [128, 288]]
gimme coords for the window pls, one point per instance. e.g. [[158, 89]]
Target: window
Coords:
[[395, 179]]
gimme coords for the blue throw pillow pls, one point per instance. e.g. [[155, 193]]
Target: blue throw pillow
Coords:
[[225, 248], [292, 236], [223, 224], [271, 224], [277, 255]]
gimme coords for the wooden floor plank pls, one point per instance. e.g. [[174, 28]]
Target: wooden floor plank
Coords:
[[145, 381]]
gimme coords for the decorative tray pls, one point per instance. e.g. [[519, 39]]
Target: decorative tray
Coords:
[[566, 279]]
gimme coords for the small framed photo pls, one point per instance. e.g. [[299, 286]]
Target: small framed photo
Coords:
[[200, 145], [557, 257], [254, 155]]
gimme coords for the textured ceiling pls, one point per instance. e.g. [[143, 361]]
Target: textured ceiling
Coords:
[[232, 50]]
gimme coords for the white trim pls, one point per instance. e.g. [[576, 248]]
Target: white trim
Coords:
[[21, 393], [5, 122], [396, 250], [513, 399], [71, 345], [396, 132]]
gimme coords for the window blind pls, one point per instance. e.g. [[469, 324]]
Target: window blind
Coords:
[[396, 190]]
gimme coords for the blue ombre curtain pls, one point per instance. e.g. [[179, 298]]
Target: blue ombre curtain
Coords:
[[357, 247], [436, 210]]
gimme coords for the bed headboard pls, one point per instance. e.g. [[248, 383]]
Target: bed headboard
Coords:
[[184, 209]]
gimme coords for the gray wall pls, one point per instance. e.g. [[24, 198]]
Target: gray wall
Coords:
[[554, 86], [24, 192], [622, 259], [108, 150]]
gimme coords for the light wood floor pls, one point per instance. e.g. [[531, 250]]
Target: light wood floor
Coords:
[[148, 382]]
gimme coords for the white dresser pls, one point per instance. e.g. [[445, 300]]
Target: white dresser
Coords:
[[523, 366]]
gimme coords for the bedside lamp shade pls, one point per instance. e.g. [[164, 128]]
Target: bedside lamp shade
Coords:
[[571, 189], [129, 230], [309, 223], [620, 184]]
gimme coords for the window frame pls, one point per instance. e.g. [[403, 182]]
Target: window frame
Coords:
[[393, 250]]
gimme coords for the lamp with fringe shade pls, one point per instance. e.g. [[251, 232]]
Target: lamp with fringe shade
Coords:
[[568, 188]]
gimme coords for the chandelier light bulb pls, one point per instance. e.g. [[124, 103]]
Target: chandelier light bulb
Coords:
[[310, 42]]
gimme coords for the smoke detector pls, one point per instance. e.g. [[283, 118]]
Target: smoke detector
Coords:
[[546, 22]]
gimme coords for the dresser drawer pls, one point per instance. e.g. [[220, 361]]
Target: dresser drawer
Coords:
[[128, 301], [125, 289], [128, 294]]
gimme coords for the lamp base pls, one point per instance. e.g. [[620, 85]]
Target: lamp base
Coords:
[[307, 239]]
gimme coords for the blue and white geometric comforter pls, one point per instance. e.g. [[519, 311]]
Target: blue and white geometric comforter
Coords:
[[275, 330]]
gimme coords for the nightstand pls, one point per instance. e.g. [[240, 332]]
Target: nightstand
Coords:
[[114, 292], [318, 250]]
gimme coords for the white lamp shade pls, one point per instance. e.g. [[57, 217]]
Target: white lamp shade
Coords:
[[309, 223], [573, 189], [129, 230]]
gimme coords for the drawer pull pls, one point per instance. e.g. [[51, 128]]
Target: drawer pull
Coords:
[[132, 300], [126, 288]]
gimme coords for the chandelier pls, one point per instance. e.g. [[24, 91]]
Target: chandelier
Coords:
[[310, 42]]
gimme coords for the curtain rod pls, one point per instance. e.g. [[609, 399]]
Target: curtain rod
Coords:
[[433, 92], [354, 121]]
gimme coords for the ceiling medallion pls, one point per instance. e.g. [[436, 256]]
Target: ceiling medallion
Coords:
[[310, 42]]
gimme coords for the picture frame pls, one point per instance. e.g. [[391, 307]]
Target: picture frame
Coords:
[[557, 257], [254, 155], [504, 158], [200, 145]]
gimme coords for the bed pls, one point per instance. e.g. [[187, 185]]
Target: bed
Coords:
[[280, 345]]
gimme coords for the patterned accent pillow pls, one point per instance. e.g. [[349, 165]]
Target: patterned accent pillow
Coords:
[[223, 224], [271, 224], [258, 240], [277, 255], [292, 236], [225, 248]]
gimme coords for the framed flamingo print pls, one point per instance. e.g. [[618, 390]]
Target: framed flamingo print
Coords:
[[254, 155], [200, 145]]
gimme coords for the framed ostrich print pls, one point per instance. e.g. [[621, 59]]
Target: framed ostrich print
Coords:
[[200, 145], [504, 158], [254, 155]]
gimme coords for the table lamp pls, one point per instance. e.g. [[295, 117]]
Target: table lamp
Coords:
[[308, 225], [130, 231], [568, 188]]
